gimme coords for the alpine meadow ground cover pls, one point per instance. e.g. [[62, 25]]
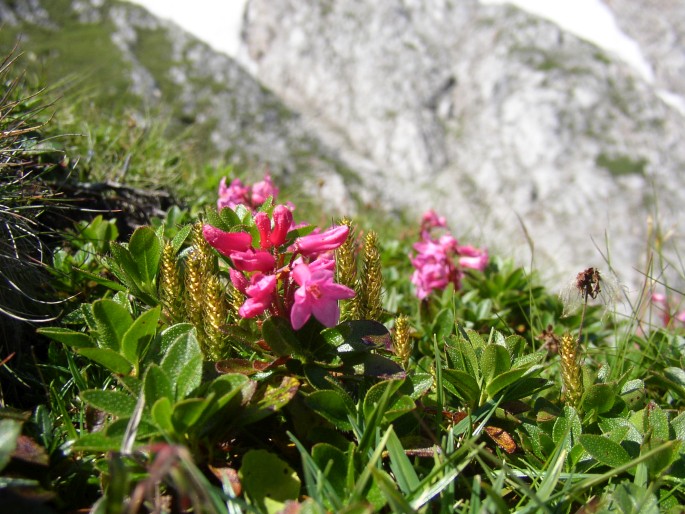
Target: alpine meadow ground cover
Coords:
[[228, 356]]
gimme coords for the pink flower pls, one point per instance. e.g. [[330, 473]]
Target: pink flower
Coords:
[[233, 195], [238, 280], [260, 292], [317, 294], [283, 220], [473, 258], [322, 242], [251, 260], [263, 224], [227, 243], [431, 220], [263, 190]]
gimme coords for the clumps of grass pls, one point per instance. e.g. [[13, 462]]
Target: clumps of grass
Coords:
[[24, 197]]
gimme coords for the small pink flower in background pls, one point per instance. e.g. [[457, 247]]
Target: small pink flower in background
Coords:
[[668, 316], [262, 190], [440, 261], [227, 242], [251, 197], [232, 196], [473, 258], [260, 294], [431, 220], [317, 295], [330, 239]]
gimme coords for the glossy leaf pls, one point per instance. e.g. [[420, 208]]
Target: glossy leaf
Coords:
[[396, 405], [333, 406], [263, 475], [280, 337], [10, 430]]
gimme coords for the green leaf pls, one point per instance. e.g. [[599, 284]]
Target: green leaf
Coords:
[[183, 364], [465, 385], [633, 393], [97, 442], [599, 397], [10, 430], [396, 405], [188, 412], [157, 384], [108, 358], [271, 398], [124, 266], [146, 250], [675, 377], [264, 475], [401, 466], [161, 412], [169, 335], [280, 337], [656, 422], [443, 325], [117, 403], [631, 498], [333, 462], [604, 450], [139, 335], [504, 380], [396, 501], [494, 361], [333, 406], [67, 337], [180, 237], [112, 321]]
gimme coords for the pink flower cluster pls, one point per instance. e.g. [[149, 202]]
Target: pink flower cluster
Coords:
[[440, 261], [251, 197], [668, 316], [299, 288]]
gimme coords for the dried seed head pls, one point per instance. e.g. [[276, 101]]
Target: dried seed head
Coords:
[[588, 282]]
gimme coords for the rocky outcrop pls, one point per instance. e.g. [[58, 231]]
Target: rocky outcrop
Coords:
[[493, 117]]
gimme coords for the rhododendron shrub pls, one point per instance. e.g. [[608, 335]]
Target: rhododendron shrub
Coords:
[[439, 259], [280, 269]]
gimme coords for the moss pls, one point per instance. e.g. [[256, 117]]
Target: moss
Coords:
[[621, 165]]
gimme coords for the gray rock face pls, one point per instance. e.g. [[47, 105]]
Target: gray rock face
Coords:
[[485, 113]]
